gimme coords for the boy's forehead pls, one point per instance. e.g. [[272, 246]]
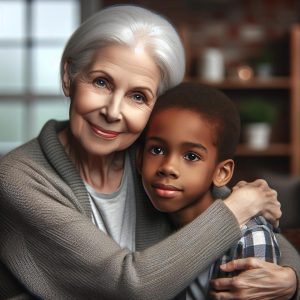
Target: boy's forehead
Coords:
[[174, 115], [182, 130], [176, 118]]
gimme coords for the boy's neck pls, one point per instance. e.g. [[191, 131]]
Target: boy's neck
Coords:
[[188, 214]]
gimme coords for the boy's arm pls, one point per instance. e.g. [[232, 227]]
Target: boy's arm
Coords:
[[258, 240], [286, 256]]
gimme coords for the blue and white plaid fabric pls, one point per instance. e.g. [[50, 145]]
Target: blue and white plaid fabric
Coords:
[[258, 240]]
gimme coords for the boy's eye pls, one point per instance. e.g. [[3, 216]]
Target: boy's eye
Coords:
[[192, 156], [156, 150], [100, 82]]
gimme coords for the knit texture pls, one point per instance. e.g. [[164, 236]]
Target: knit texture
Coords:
[[49, 244]]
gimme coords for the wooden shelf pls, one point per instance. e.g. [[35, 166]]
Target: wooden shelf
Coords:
[[272, 150], [287, 88], [255, 83]]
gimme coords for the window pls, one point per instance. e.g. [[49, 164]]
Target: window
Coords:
[[32, 37]]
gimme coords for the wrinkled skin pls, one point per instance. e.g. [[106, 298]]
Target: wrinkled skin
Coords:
[[258, 280]]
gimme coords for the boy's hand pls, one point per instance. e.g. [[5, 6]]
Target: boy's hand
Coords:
[[258, 280]]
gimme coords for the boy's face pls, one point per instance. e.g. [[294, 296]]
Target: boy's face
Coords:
[[179, 160]]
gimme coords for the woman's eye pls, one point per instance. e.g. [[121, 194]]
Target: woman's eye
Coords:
[[156, 150], [139, 98], [100, 82], [192, 156]]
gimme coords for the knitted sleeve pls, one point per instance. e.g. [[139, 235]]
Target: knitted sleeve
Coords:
[[289, 258], [56, 252]]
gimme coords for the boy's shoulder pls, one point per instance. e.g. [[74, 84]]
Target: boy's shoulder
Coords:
[[257, 223], [221, 192]]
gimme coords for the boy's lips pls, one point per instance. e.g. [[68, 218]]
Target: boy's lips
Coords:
[[101, 132], [165, 190]]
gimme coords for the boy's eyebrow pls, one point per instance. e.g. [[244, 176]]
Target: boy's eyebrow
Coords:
[[195, 145], [186, 144], [155, 138]]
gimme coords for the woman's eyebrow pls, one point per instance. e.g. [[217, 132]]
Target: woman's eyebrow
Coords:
[[145, 88], [100, 72], [92, 72]]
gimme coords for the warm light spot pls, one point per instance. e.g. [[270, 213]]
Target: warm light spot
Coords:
[[245, 73]]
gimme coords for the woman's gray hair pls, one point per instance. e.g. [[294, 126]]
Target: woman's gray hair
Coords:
[[128, 25]]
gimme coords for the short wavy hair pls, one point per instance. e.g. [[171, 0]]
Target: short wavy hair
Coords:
[[129, 25], [212, 105]]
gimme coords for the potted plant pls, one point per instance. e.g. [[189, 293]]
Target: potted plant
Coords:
[[258, 116]]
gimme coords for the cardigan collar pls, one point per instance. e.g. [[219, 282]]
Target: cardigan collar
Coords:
[[151, 225]]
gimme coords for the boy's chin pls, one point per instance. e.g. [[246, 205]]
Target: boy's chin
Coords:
[[163, 208]]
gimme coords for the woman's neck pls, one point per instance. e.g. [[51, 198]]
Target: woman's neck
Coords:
[[103, 173]]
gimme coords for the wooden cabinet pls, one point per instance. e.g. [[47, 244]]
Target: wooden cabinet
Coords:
[[295, 100], [283, 153]]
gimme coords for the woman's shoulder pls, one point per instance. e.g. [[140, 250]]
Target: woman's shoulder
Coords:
[[27, 160], [18, 173], [20, 154], [19, 163]]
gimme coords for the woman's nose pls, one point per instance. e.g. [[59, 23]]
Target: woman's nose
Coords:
[[168, 169], [112, 108]]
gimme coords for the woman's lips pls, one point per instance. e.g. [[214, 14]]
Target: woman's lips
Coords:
[[107, 134], [165, 190]]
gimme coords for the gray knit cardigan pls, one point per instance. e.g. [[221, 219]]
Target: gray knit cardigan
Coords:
[[50, 249]]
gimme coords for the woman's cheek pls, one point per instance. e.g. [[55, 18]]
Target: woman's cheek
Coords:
[[85, 104], [138, 120]]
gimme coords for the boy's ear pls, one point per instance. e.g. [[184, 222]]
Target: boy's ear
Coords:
[[223, 173], [139, 159], [66, 84]]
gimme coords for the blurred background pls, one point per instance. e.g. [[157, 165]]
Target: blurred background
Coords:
[[250, 49]]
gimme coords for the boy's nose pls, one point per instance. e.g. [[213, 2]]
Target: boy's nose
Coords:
[[168, 169]]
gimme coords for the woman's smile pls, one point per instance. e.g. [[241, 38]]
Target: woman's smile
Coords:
[[103, 133]]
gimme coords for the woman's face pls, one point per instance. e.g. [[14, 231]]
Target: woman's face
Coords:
[[111, 103]]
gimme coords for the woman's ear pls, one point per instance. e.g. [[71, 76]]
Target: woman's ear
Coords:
[[66, 84], [223, 173]]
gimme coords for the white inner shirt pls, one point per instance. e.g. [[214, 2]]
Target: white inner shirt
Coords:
[[115, 213]]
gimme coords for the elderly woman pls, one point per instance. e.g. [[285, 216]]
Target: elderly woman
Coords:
[[74, 220]]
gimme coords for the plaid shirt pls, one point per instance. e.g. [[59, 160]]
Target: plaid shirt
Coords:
[[258, 240]]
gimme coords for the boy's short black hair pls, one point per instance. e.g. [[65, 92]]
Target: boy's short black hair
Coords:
[[211, 104]]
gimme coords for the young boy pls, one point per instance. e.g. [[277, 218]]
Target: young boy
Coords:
[[187, 151]]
